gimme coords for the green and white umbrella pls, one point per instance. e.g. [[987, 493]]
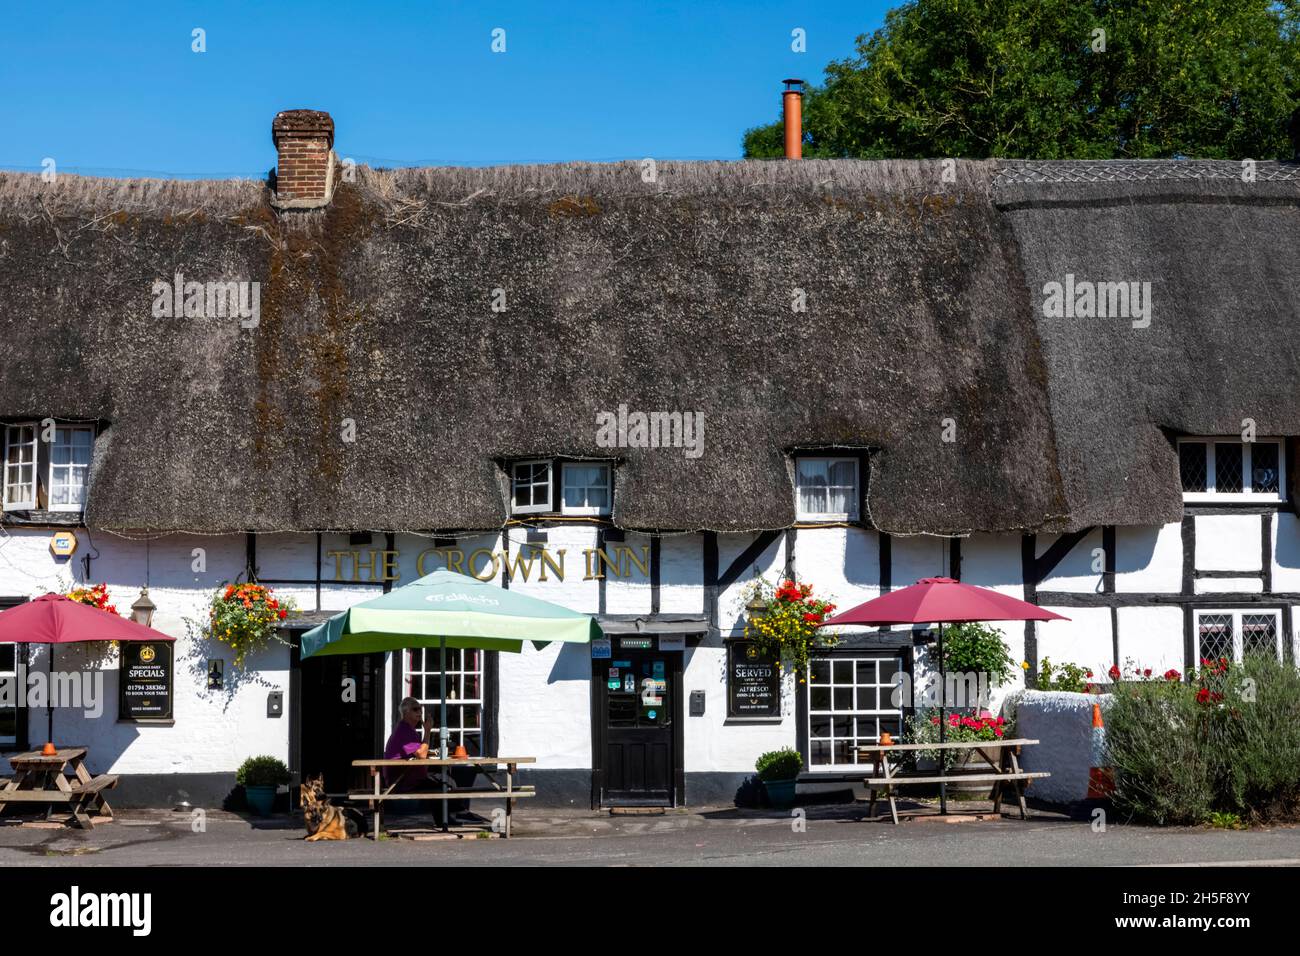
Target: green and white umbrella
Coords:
[[443, 610]]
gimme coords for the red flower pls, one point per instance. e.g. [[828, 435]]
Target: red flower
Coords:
[[1147, 672], [812, 618], [1113, 672], [1202, 695], [1172, 674], [283, 614]]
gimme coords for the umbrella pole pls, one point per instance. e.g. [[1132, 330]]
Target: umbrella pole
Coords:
[[49, 696], [943, 725], [442, 719]]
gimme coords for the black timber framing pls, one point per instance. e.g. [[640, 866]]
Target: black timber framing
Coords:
[[747, 558]]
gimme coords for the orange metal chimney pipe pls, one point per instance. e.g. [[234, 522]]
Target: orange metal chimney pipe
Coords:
[[792, 103]]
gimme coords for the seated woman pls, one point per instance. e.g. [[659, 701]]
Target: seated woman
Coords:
[[406, 742]]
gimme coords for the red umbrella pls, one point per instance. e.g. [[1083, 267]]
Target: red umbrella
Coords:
[[55, 619], [942, 601]]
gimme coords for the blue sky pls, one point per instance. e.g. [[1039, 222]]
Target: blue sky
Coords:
[[113, 88]]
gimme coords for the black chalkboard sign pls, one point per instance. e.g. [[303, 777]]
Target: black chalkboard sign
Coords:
[[145, 681], [753, 682]]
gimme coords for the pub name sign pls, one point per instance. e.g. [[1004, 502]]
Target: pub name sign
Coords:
[[531, 561]]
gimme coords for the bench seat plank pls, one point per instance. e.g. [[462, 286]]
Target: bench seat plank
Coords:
[[954, 778], [364, 795]]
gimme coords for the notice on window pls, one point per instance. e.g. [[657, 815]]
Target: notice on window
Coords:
[[145, 681], [753, 682]]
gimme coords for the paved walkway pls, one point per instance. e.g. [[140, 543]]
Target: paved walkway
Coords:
[[824, 836]]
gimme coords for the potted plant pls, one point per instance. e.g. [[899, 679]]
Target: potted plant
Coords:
[[779, 769], [245, 617], [260, 777], [783, 621]]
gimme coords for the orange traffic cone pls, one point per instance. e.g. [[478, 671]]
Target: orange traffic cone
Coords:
[[1101, 779]]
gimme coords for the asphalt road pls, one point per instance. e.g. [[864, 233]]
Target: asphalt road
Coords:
[[717, 838]]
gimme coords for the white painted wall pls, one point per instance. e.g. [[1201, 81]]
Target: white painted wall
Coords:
[[1084, 639], [713, 742], [1075, 572], [545, 695], [1149, 560], [1228, 542], [1151, 637]]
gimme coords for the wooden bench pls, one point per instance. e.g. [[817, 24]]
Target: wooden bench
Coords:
[[1001, 757], [378, 795], [40, 778]]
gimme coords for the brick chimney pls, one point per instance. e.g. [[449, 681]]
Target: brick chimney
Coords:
[[792, 109], [304, 171]]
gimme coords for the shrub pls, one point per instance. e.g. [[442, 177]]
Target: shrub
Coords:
[[262, 771], [975, 648], [1068, 677], [1162, 770], [1227, 744], [783, 764]]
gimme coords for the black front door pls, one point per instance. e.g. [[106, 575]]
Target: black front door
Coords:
[[636, 693], [340, 700]]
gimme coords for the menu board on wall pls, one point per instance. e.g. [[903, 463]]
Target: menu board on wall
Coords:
[[753, 682], [145, 681]]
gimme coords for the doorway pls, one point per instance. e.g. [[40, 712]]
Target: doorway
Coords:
[[637, 725], [340, 698]]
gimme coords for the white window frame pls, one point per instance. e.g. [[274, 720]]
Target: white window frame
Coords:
[[1247, 470], [850, 515], [24, 504], [515, 507], [427, 657], [1236, 614], [566, 508], [49, 473], [853, 714]]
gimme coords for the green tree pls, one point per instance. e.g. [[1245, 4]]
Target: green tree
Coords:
[[1214, 79]]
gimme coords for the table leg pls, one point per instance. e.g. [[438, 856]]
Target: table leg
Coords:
[[510, 799], [1020, 784], [889, 789], [374, 773]]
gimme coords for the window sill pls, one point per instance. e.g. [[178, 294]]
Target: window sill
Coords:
[[1214, 498]]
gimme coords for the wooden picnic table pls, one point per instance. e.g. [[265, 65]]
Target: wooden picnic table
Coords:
[[488, 766], [1000, 756], [44, 779]]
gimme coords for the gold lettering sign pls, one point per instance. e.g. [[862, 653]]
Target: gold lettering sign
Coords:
[[530, 562]]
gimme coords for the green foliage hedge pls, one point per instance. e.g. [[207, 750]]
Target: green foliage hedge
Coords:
[[1226, 744]]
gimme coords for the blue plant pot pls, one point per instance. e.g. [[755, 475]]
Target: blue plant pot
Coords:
[[780, 793], [261, 799]]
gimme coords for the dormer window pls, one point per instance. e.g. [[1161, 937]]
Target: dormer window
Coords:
[[20, 467], [46, 466], [531, 487], [826, 489], [586, 488], [546, 486], [1229, 469], [70, 467]]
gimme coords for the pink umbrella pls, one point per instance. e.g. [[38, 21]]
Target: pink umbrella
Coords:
[[942, 601], [55, 619]]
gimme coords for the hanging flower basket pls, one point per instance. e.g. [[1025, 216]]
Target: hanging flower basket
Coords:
[[95, 596], [783, 621], [244, 617]]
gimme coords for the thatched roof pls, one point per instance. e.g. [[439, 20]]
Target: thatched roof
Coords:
[[923, 304]]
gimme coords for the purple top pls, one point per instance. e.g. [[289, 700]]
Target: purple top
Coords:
[[402, 743]]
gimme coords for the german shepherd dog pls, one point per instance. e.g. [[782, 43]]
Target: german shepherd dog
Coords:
[[324, 820]]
